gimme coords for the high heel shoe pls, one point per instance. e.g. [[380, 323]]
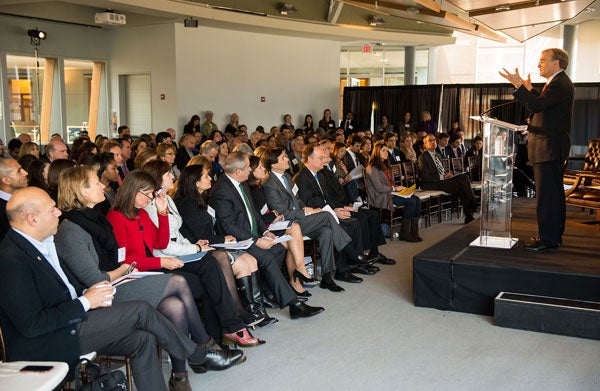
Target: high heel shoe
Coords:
[[241, 338], [307, 280], [305, 294]]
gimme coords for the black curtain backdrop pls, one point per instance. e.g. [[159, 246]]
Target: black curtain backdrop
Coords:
[[460, 101]]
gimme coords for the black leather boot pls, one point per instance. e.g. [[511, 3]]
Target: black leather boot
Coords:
[[257, 297], [244, 285], [414, 230], [405, 231]]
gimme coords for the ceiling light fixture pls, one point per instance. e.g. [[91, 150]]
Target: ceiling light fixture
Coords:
[[285, 8], [413, 10], [505, 7]]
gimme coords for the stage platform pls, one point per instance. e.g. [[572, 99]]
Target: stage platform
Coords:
[[450, 275]]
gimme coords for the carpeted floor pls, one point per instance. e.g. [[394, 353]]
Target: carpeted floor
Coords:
[[371, 337]]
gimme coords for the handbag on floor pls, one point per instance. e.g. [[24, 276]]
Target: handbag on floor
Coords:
[[100, 378]]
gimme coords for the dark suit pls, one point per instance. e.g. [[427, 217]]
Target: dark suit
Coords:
[[371, 235], [4, 226], [311, 195], [350, 127], [459, 185], [319, 226], [182, 157], [549, 145], [41, 322], [232, 219]]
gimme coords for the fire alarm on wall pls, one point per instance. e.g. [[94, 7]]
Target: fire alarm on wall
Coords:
[[162, 97], [263, 99]]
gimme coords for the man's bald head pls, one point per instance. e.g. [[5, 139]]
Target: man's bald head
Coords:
[[33, 212]]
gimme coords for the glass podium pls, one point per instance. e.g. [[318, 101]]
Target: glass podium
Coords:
[[496, 183]]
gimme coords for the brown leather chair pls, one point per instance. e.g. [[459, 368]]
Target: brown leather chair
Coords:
[[585, 193], [591, 162]]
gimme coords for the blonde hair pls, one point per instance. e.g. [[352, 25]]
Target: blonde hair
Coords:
[[27, 148], [70, 184]]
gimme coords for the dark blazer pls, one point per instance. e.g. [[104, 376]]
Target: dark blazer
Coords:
[[308, 189], [442, 151], [182, 158], [197, 222], [427, 168], [450, 152], [259, 199], [38, 316], [334, 192], [352, 127], [550, 125], [4, 226], [347, 159], [232, 218], [294, 166], [282, 200]]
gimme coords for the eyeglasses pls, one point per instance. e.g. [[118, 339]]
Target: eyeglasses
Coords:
[[150, 195], [169, 154]]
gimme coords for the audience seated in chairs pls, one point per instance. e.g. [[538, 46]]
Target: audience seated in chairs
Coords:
[[46, 316], [136, 232], [279, 194], [474, 159], [294, 258], [432, 173], [235, 213], [86, 243], [379, 188], [240, 268]]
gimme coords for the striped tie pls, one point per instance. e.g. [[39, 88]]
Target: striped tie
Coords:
[[439, 166]]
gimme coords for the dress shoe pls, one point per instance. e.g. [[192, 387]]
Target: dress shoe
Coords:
[[331, 285], [348, 277], [537, 239], [179, 382], [469, 218], [385, 260], [241, 338], [372, 258], [269, 302], [217, 359], [540, 247], [301, 310], [304, 295], [266, 322], [363, 259], [363, 269], [303, 279]]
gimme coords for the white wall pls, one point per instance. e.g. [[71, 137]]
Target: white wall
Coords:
[[149, 50], [228, 71], [587, 65]]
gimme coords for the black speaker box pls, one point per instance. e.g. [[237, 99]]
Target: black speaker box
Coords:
[[574, 318]]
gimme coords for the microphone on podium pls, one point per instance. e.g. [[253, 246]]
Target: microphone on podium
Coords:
[[497, 106]]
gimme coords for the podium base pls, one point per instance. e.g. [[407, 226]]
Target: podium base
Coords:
[[494, 242]]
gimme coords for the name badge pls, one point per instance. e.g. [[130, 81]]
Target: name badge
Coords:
[[397, 158], [211, 212], [295, 161], [295, 189], [350, 127], [264, 209], [121, 254]]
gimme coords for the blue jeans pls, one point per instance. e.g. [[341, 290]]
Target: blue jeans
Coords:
[[412, 206]]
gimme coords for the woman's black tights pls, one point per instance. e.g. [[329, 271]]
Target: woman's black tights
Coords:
[[179, 307]]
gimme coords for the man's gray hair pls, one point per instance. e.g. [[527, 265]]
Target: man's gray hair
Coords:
[[243, 148], [208, 146], [234, 161]]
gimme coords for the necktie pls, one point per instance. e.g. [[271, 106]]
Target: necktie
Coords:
[[253, 226], [286, 183], [439, 166], [125, 169], [318, 184]]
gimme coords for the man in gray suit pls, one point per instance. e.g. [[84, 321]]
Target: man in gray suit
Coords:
[[46, 316], [280, 193]]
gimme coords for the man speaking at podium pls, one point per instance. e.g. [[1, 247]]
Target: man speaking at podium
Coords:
[[549, 142]]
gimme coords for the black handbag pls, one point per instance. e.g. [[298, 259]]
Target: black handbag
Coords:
[[100, 378]]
